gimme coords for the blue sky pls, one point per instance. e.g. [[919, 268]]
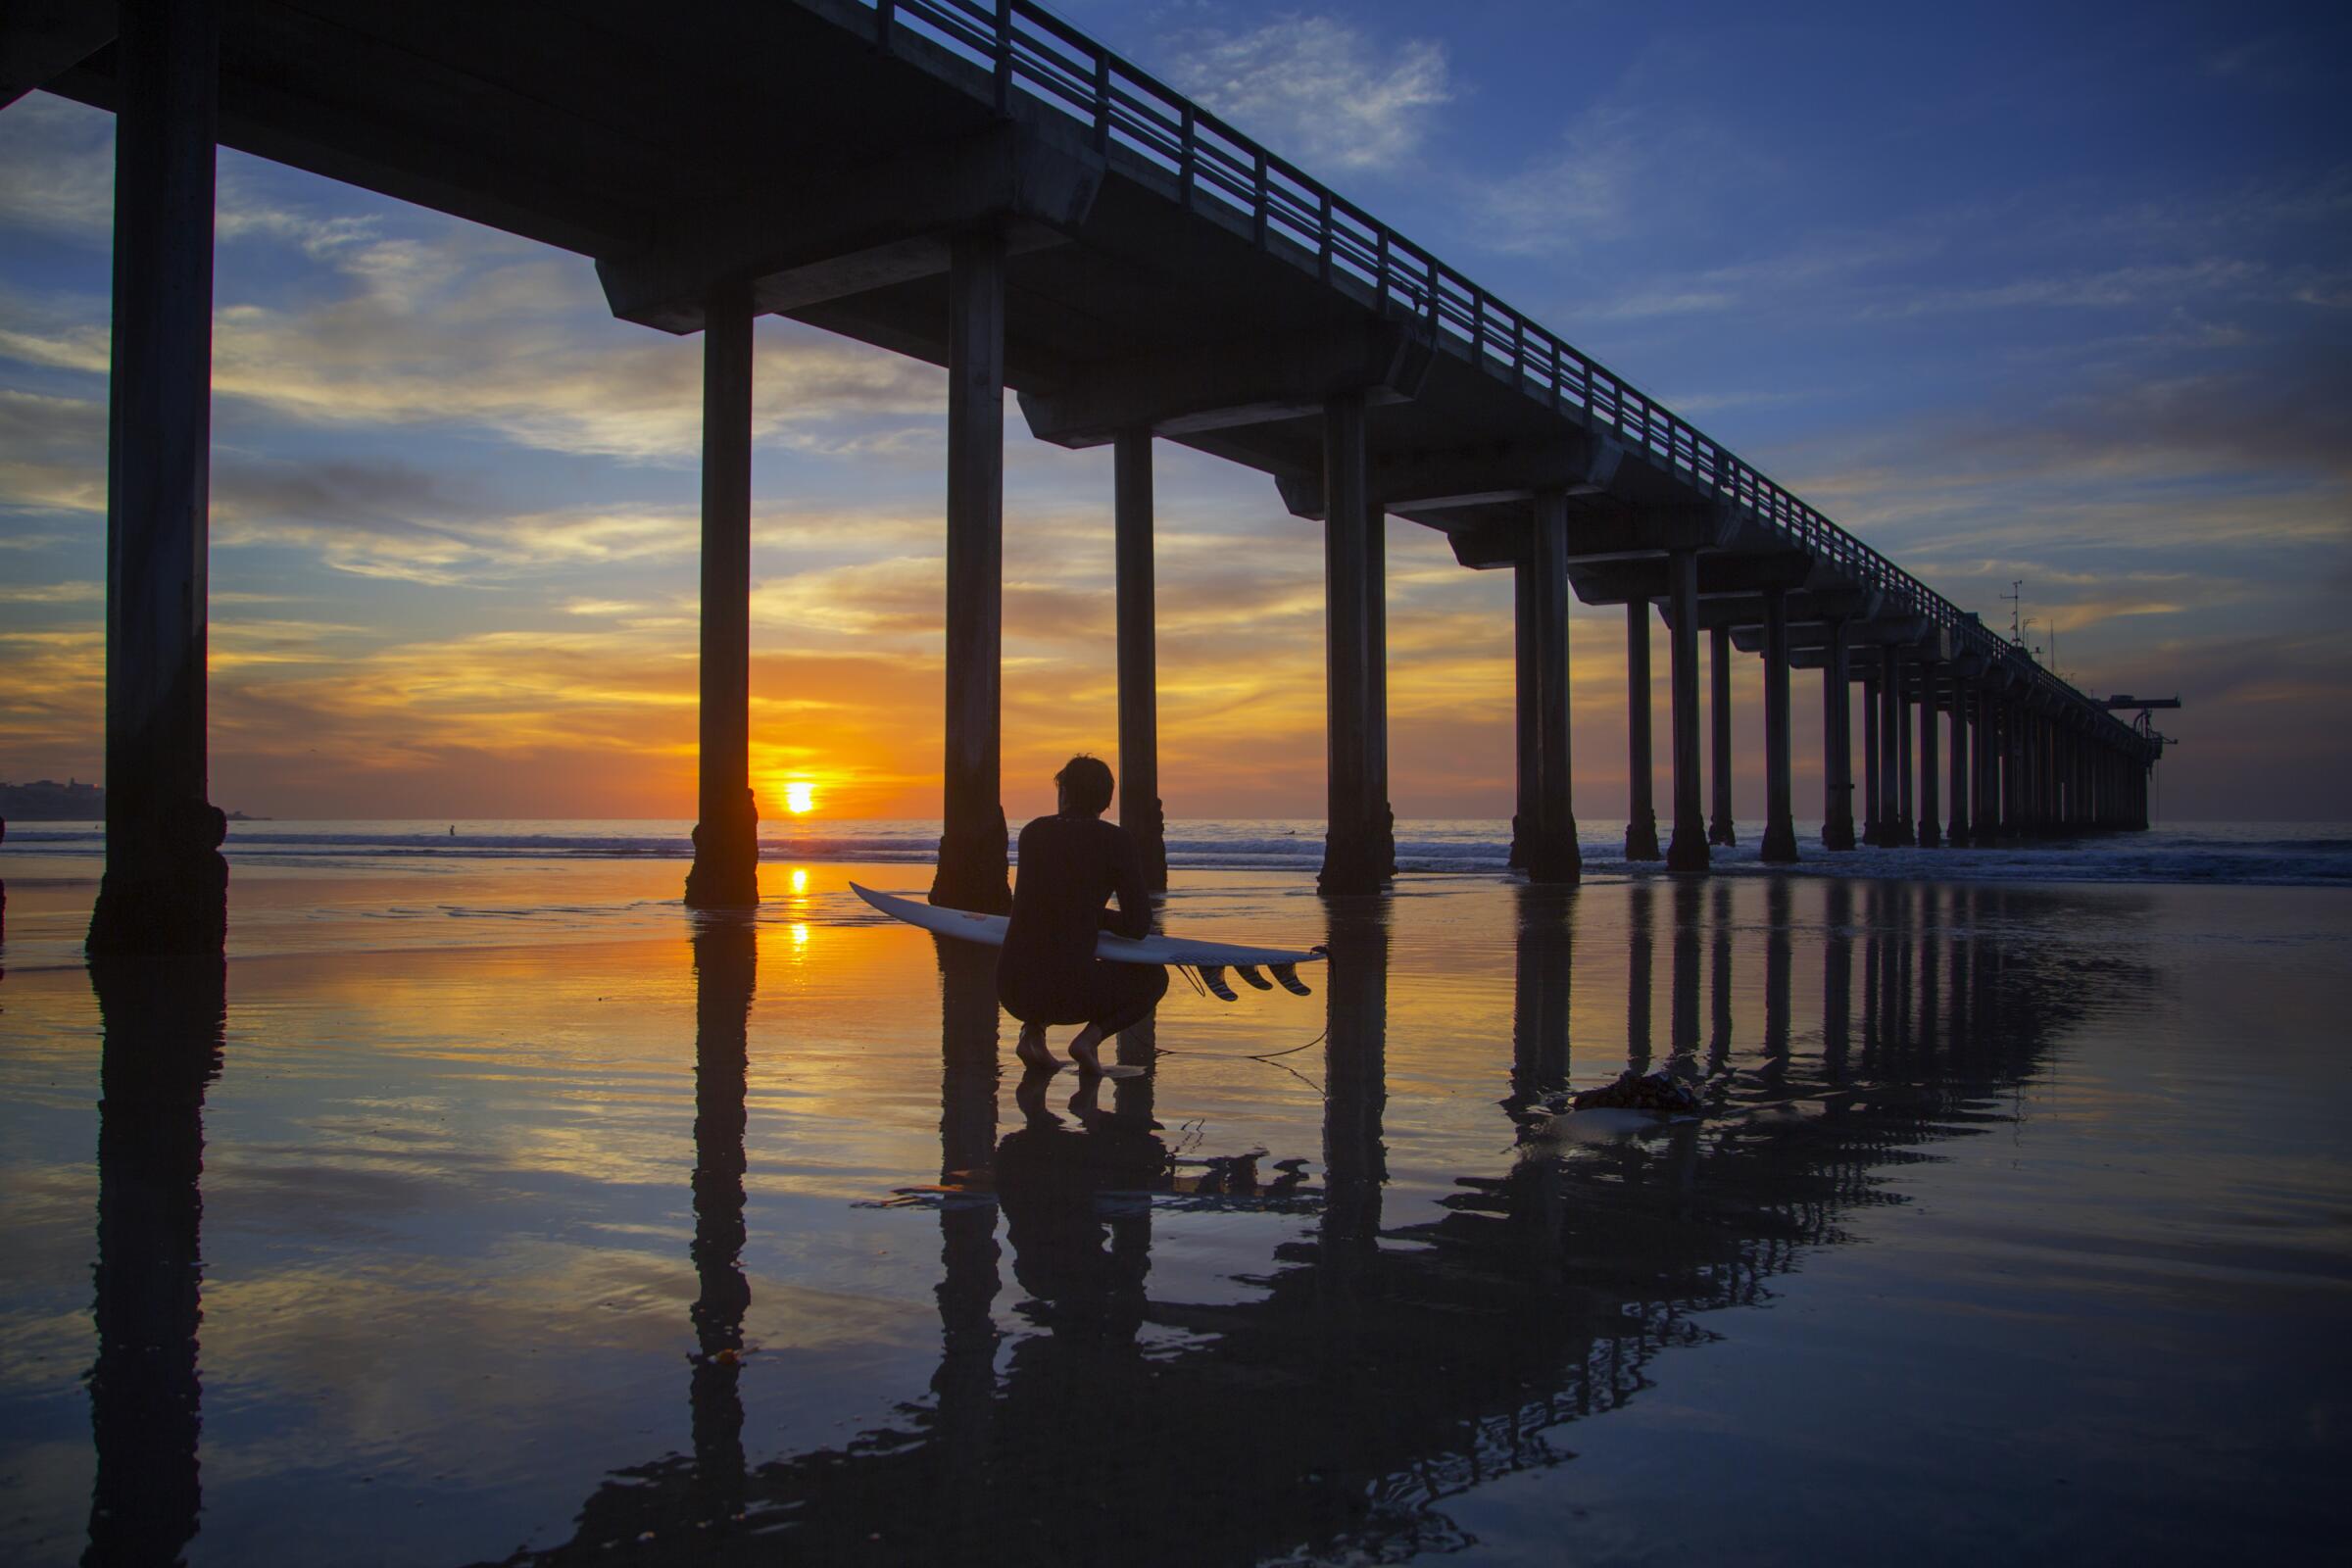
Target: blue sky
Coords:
[[2060, 294]]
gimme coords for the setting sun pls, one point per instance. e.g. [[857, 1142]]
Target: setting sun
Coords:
[[800, 797]]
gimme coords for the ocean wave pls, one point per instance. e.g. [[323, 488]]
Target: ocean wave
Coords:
[[2265, 853]]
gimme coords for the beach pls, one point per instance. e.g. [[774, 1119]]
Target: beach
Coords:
[[484, 1205]]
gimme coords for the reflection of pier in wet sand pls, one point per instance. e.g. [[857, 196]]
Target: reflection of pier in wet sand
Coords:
[[1377, 1370]]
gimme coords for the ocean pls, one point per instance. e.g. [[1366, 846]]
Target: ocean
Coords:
[[2255, 854]]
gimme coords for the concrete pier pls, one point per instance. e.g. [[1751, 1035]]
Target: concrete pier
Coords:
[[1873, 766], [973, 874], [1956, 832], [1526, 689], [1837, 743], [1140, 808], [1554, 856], [1893, 802], [725, 873], [1780, 830], [1930, 826], [1355, 859], [1152, 298], [1905, 683], [1642, 813], [1687, 853], [1719, 723], [166, 885]]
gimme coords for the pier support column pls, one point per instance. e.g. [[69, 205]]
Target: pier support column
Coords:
[[1931, 768], [971, 848], [1905, 684], [1642, 813], [1554, 856], [1526, 692], [1956, 831], [1140, 811], [2022, 766], [166, 886], [1718, 720], [1780, 832], [1688, 851], [726, 840], [1353, 857], [1838, 747], [1376, 622], [1890, 761], [1991, 822], [1874, 821]]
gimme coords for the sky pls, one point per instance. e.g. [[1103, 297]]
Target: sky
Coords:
[[2059, 295]]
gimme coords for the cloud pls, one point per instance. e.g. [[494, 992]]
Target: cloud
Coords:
[[57, 168], [1580, 192], [1318, 90], [461, 335]]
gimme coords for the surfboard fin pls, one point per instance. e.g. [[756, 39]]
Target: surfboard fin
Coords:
[[1212, 975], [1249, 972], [1288, 975]]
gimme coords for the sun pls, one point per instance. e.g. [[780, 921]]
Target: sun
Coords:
[[800, 797]]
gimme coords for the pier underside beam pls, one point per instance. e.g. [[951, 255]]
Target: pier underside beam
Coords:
[[726, 839], [971, 848], [1224, 384], [166, 885]]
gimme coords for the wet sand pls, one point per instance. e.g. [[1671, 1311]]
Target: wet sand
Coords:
[[563, 1227]]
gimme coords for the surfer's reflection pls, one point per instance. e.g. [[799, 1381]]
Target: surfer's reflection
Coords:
[[725, 973], [163, 1021], [1077, 1211]]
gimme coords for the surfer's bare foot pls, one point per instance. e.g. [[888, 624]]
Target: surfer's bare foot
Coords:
[[1032, 1049], [1082, 1051]]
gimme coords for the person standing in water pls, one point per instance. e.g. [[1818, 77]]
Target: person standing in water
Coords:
[[1069, 864]]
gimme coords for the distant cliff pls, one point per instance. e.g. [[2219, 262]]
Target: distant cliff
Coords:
[[45, 800]]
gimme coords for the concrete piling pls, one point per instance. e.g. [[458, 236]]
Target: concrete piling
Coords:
[[166, 885]]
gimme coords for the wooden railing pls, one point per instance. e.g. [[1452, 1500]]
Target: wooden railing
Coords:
[[1021, 48]]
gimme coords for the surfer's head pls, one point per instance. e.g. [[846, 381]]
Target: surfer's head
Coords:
[[1084, 784]]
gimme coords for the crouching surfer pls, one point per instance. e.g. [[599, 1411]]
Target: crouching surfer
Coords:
[[1070, 864]]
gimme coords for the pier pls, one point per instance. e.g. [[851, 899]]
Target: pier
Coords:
[[984, 187]]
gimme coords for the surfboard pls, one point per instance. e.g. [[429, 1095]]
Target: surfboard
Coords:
[[963, 925]]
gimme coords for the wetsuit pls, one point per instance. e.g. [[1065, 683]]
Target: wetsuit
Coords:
[[1048, 972]]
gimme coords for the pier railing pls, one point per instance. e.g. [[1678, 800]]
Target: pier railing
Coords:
[[1023, 48]]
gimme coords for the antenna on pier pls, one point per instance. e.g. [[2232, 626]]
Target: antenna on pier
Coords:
[[2016, 598]]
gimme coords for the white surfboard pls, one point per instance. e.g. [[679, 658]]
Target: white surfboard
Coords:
[[1207, 956]]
